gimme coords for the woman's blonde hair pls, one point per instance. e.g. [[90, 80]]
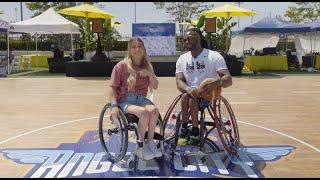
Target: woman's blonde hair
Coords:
[[145, 63]]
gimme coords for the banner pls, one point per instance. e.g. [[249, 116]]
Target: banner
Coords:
[[158, 38]]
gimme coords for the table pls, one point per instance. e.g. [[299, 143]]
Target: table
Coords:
[[317, 65], [34, 62], [256, 63]]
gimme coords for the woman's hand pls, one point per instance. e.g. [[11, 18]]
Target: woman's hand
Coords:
[[144, 73], [114, 113]]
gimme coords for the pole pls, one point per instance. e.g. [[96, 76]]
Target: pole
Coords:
[[36, 36], [135, 12], [227, 33], [8, 55], [21, 11], [72, 53], [239, 17], [252, 17]]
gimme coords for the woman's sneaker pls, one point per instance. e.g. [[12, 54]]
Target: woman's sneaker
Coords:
[[147, 153], [153, 148]]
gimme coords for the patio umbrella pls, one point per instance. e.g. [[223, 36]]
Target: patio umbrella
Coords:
[[86, 11], [228, 10]]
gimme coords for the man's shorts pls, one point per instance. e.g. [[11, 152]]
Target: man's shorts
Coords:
[[133, 99]]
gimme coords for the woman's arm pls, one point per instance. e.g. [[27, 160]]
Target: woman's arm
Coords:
[[152, 78]]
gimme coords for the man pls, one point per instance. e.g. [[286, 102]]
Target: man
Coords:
[[192, 68]]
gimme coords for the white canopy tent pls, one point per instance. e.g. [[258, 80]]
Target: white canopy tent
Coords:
[[49, 22], [5, 28], [241, 42]]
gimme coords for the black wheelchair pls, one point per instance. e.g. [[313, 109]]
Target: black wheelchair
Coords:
[[220, 126], [116, 134]]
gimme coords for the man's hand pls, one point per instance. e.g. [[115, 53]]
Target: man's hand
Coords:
[[192, 92], [210, 85]]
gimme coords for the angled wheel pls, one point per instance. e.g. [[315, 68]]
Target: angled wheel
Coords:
[[226, 125], [170, 119], [113, 134]]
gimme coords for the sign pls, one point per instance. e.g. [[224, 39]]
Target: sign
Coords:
[[87, 159], [210, 25], [97, 25], [158, 38]]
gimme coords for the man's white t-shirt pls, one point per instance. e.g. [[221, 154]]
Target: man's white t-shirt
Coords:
[[205, 65]]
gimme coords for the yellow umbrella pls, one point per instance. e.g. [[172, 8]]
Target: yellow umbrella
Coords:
[[228, 10], [86, 11]]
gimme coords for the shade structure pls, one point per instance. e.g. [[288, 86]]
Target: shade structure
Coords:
[[227, 10], [48, 22], [86, 11]]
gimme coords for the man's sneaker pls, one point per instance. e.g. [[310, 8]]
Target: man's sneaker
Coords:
[[153, 148], [183, 137], [194, 140], [147, 154]]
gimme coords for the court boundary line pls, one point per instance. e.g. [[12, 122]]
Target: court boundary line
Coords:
[[84, 119]]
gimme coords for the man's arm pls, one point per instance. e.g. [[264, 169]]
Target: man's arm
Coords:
[[183, 87], [224, 81], [225, 78], [181, 82]]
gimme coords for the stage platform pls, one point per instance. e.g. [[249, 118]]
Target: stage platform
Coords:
[[104, 69]]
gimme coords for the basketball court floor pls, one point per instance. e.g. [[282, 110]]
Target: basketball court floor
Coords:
[[49, 128]]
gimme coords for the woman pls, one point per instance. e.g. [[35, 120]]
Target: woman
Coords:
[[129, 84]]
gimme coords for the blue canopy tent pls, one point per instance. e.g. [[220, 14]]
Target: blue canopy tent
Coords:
[[271, 25], [4, 28], [277, 26]]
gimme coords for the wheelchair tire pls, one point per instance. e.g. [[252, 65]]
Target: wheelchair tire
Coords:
[[114, 151], [227, 126]]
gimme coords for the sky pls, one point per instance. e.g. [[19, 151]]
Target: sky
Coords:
[[146, 12]]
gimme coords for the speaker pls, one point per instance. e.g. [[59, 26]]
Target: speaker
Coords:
[[210, 25], [97, 25]]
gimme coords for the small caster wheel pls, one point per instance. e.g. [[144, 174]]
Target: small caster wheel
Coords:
[[203, 159], [130, 163]]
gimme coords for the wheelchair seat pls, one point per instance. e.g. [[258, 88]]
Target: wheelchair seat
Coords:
[[203, 104], [131, 118]]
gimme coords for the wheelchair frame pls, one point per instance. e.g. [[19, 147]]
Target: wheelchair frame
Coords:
[[229, 141], [127, 122]]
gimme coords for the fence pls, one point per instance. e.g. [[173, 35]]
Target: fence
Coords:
[[26, 42]]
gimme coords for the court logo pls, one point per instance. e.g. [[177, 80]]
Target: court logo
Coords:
[[87, 159]]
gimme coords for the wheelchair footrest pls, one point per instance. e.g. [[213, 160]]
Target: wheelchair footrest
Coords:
[[156, 136]]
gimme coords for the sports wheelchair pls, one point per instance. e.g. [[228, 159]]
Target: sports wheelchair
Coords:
[[221, 119], [115, 135]]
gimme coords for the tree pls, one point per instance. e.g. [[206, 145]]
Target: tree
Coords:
[[183, 11], [302, 12]]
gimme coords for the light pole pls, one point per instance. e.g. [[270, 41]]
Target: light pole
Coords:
[[21, 11], [135, 12], [239, 3]]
